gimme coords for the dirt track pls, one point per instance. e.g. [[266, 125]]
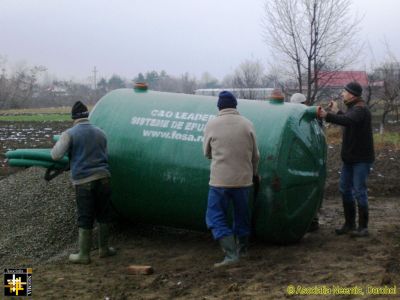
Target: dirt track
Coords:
[[183, 260]]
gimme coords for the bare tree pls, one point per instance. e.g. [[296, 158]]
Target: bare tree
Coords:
[[167, 83], [248, 75], [4, 82], [390, 95], [163, 82], [31, 80], [18, 88], [207, 81], [373, 91], [308, 36], [227, 81], [188, 84]]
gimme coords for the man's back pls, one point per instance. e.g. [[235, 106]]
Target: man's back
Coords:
[[229, 140], [88, 150]]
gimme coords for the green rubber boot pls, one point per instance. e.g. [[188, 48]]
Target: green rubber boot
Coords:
[[85, 242], [104, 249], [228, 245]]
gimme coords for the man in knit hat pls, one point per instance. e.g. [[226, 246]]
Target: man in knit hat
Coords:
[[230, 143], [357, 156], [86, 146]]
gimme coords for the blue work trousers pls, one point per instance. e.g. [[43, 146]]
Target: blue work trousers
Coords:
[[353, 183], [217, 211]]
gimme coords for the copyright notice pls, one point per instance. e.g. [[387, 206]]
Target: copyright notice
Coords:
[[341, 290]]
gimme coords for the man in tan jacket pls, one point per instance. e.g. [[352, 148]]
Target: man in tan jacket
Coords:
[[230, 143]]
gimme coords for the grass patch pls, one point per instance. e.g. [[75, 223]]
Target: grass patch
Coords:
[[36, 118], [45, 114], [388, 138], [30, 111], [43, 110], [333, 134]]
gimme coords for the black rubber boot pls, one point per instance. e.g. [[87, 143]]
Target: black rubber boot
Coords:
[[362, 230], [242, 244], [228, 245], [349, 217]]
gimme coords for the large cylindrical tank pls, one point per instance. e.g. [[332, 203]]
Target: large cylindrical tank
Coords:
[[160, 176]]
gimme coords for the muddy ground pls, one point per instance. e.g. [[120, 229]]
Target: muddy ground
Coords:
[[37, 221]]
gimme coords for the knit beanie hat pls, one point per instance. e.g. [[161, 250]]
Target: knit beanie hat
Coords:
[[298, 98], [79, 110], [226, 100], [354, 88]]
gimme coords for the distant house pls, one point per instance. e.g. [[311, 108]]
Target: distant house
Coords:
[[57, 90], [242, 93], [332, 82], [338, 79]]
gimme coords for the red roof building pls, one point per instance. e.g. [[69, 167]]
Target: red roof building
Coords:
[[338, 79]]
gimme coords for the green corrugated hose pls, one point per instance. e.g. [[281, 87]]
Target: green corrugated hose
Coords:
[[38, 158]]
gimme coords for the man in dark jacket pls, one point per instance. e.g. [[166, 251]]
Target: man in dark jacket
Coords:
[[357, 155], [86, 146]]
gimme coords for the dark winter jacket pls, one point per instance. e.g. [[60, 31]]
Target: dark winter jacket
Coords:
[[357, 143], [87, 147]]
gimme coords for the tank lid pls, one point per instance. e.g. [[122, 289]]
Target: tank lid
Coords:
[[276, 96], [140, 87]]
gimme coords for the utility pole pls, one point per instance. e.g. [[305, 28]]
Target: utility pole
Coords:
[[94, 78]]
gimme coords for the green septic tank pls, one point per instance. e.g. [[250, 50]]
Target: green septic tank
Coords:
[[160, 176]]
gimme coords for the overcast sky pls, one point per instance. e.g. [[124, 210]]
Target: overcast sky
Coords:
[[126, 37]]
